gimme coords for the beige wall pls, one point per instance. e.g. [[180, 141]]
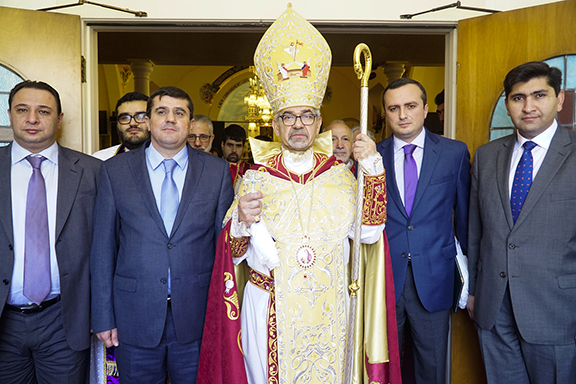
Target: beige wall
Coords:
[[268, 10]]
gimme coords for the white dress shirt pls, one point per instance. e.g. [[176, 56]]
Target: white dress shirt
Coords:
[[418, 154], [542, 141], [20, 173]]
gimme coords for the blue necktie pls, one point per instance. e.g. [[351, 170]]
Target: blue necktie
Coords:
[[36, 242], [410, 177], [522, 180], [169, 198]]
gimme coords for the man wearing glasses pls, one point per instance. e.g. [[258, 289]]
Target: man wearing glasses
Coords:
[[290, 220], [201, 134], [130, 123]]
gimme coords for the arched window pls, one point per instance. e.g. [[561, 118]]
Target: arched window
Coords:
[[8, 79], [501, 124]]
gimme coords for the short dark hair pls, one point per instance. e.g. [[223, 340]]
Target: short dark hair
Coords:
[[402, 82], [173, 92], [35, 85], [439, 99], [130, 96], [532, 70], [234, 132]]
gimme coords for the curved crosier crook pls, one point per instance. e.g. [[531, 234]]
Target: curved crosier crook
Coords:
[[363, 74]]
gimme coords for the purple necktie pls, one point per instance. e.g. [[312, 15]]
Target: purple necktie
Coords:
[[37, 242], [410, 177], [522, 180]]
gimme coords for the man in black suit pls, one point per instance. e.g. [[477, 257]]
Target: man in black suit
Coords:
[[158, 215], [47, 196]]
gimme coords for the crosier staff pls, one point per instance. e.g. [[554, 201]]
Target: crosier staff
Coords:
[[363, 76]]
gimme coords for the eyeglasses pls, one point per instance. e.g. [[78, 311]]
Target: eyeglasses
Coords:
[[306, 119], [125, 118], [203, 137]]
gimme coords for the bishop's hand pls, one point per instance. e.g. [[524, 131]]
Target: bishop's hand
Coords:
[[363, 147], [250, 208]]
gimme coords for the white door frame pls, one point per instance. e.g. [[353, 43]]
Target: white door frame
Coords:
[[91, 27]]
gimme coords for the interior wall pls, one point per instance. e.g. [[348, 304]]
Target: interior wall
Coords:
[[270, 10]]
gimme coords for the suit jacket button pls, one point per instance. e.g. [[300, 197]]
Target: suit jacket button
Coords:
[[6, 281], [163, 280], [511, 246], [410, 227], [170, 246], [502, 274], [404, 254]]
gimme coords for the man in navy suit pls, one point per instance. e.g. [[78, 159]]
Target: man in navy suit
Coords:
[[428, 192], [159, 211]]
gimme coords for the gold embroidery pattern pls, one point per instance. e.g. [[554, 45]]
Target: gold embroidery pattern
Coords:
[[374, 210], [239, 340], [239, 245], [266, 283], [231, 297]]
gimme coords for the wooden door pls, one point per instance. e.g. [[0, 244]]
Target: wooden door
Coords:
[[489, 47], [46, 46]]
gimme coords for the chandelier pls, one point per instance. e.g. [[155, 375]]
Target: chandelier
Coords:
[[259, 110]]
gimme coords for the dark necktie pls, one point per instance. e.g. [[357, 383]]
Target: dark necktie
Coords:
[[522, 180], [36, 242], [410, 177]]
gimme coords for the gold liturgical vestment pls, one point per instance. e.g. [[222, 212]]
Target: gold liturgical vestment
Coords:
[[309, 222], [309, 216]]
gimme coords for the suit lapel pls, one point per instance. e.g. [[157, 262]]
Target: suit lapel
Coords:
[[137, 163], [195, 169], [503, 160], [388, 159], [69, 176], [555, 156], [5, 192], [429, 160]]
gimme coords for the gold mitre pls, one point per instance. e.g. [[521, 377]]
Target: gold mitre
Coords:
[[293, 62]]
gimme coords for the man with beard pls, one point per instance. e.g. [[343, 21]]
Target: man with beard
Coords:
[[232, 150], [201, 134], [291, 220], [130, 123]]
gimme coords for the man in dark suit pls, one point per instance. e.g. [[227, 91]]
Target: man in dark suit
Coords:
[[428, 190], [522, 252], [47, 196], [158, 215]]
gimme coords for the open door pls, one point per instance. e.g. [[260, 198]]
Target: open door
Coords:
[[46, 46], [489, 47]]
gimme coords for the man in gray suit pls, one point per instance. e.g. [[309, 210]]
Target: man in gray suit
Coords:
[[159, 212], [47, 196], [522, 237]]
